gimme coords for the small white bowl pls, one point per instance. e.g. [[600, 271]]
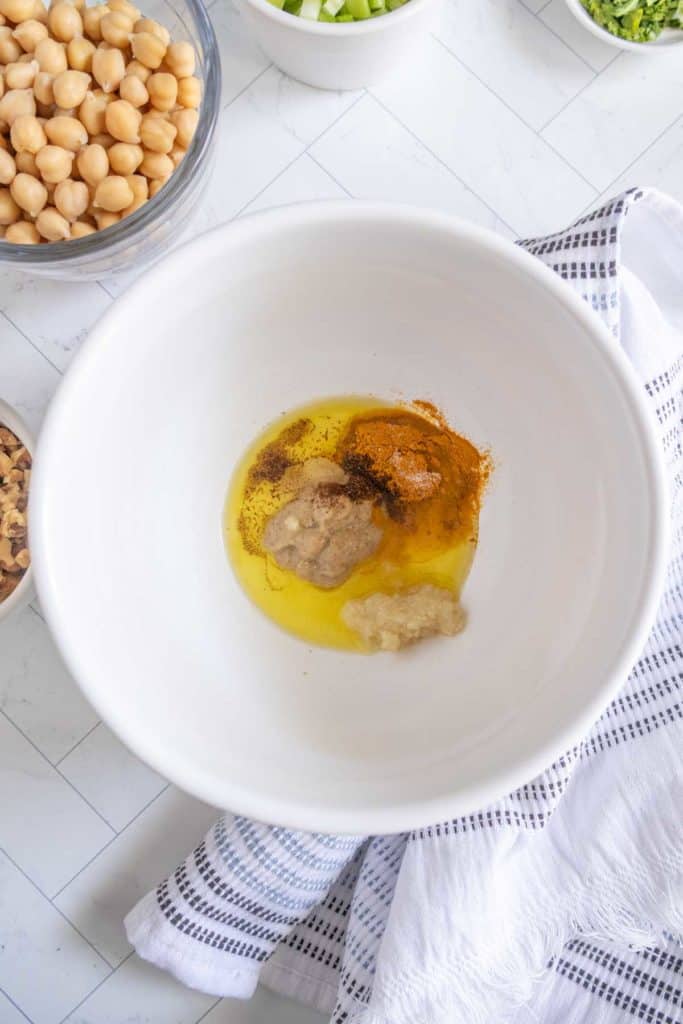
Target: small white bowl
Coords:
[[340, 56], [24, 591], [665, 43], [178, 378]]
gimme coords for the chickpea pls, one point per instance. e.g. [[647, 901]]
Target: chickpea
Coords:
[[189, 92], [105, 219], [125, 158], [140, 188], [157, 135], [40, 12], [92, 109], [21, 75], [70, 88], [177, 154], [108, 68], [15, 103], [122, 120], [9, 47], [9, 211], [22, 232], [186, 123], [156, 165], [64, 22], [2, 87], [54, 163], [79, 53], [93, 164], [67, 132], [134, 91], [72, 198], [26, 163], [27, 134], [148, 49], [134, 67], [79, 229], [29, 34], [29, 193], [103, 139], [162, 115], [52, 225], [163, 90], [51, 56], [156, 186], [130, 10], [16, 10], [113, 194], [116, 29], [154, 28], [92, 16], [78, 4], [180, 60], [8, 167]]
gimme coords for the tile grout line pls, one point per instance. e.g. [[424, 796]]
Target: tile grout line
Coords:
[[549, 28], [108, 843], [679, 117], [16, 1005], [93, 990], [207, 1012], [61, 913], [328, 173], [55, 768], [31, 343], [77, 744], [443, 164], [579, 93], [304, 152], [514, 112]]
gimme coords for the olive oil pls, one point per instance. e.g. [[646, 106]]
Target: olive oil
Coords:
[[403, 559]]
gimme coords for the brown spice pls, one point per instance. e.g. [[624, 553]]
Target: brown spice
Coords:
[[274, 460], [15, 473]]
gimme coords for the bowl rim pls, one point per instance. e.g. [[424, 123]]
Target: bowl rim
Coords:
[[655, 46], [225, 793], [142, 220], [349, 28], [24, 592]]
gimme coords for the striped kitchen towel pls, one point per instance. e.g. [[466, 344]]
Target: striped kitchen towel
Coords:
[[562, 902]]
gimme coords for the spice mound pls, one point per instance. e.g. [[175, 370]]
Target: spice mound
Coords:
[[15, 474], [354, 524]]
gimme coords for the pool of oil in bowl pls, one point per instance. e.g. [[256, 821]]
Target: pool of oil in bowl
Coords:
[[307, 611]]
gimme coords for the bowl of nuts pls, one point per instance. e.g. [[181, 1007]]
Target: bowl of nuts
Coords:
[[16, 446], [107, 122]]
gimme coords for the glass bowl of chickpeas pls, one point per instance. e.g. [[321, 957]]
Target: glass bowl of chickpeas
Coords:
[[107, 126]]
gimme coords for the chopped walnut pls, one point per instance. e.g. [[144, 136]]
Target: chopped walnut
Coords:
[[15, 473]]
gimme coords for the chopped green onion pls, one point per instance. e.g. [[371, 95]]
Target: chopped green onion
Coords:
[[333, 7], [310, 9], [639, 21]]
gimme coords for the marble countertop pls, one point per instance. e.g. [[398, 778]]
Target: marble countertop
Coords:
[[513, 117]]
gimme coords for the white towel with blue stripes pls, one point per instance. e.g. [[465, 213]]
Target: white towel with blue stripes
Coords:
[[561, 903]]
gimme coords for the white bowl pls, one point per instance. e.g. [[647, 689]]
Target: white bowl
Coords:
[[265, 314], [24, 591], [667, 41], [340, 56]]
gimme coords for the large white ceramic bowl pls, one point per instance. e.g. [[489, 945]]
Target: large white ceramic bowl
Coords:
[[273, 311], [670, 39], [340, 56]]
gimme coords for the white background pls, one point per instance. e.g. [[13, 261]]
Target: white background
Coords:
[[514, 117]]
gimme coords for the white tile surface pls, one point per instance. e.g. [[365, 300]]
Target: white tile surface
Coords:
[[139, 994], [526, 65], [596, 131], [460, 132], [36, 691], [45, 826], [374, 157], [45, 965], [96, 767], [507, 155], [557, 16], [98, 899]]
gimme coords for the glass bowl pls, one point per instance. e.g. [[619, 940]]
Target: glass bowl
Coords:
[[145, 235]]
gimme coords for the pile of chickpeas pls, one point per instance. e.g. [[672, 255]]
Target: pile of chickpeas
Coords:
[[97, 109]]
